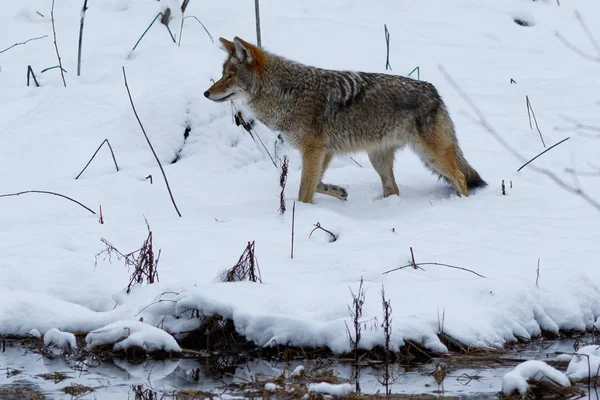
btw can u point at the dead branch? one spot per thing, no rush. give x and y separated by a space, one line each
482 121
83 10
56 46
318 226
415 265
96 152
46 192
150 144
548 149
21 43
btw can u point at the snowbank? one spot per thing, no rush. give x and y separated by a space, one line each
532 370
126 334
62 340
585 363
343 389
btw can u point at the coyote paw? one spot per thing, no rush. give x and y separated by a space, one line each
332 190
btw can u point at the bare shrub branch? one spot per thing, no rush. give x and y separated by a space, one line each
46 192
96 152
62 73
150 144
21 43
415 265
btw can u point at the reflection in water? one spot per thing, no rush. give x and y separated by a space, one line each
474 376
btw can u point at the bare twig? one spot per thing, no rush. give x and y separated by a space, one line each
96 152
481 120
356 162
434 263
21 43
101 219
548 149
56 46
415 265
537 278
30 73
249 127
387 332
83 10
200 22
318 226
150 144
46 192
530 112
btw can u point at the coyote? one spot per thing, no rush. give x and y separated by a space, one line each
323 113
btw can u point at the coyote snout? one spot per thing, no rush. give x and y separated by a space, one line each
323 113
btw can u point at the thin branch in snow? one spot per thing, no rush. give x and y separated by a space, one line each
591 38
21 43
47 192
83 10
56 45
96 152
150 144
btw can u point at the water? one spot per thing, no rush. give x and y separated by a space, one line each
25 374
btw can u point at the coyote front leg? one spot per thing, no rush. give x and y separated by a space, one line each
312 162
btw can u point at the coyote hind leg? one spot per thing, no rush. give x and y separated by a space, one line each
383 162
327 188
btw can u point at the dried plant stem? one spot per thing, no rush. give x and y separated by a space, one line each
416 265
56 45
21 43
545 151
318 226
83 10
46 192
150 144
96 152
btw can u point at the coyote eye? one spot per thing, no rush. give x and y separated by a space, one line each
229 76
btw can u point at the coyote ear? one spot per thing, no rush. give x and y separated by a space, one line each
243 50
227 46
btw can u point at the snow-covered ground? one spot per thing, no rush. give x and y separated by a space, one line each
227 189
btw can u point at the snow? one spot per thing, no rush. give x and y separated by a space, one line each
62 340
271 387
228 190
298 371
343 389
585 363
126 334
532 370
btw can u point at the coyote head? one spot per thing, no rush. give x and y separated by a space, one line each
241 72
